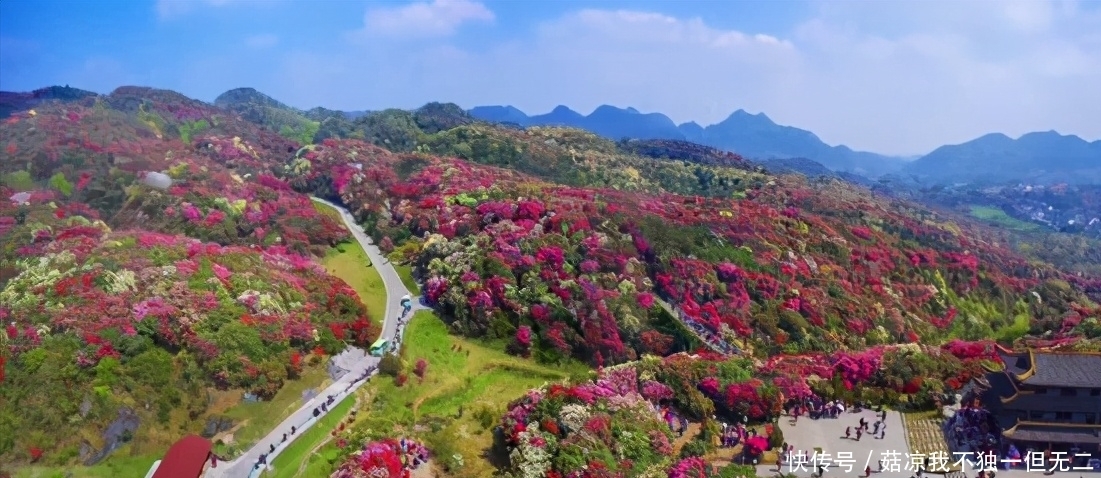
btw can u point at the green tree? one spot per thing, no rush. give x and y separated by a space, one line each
59 183
392 129
152 368
390 365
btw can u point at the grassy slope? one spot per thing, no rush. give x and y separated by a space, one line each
406 274
288 463
998 217
350 265
257 419
463 375
254 419
120 464
347 262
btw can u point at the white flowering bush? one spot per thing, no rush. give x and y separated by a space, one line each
532 457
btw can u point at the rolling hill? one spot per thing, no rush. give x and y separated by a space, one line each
157 249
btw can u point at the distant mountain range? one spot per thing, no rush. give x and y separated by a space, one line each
994 158
750 135
1049 157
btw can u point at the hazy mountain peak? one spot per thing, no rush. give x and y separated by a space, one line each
609 109
499 114
993 137
743 115
1050 134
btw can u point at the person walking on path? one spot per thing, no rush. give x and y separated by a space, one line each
859 432
848 432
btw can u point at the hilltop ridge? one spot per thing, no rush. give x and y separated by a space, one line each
1046 157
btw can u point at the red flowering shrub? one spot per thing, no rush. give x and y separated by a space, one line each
379 458
550 426
752 399
693 467
970 350
656 342
710 386
521 342
862 232
420 368
854 368
296 364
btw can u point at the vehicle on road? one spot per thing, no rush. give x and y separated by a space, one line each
380 347
406 305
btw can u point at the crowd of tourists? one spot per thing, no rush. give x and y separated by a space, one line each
364 376
413 455
877 430
972 429
815 407
732 435
317 412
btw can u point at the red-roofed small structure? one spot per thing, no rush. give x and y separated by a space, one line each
186 459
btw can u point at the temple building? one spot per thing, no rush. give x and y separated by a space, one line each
1045 399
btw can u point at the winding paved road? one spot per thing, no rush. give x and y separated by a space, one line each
245 465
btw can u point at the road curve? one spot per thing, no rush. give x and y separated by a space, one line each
245 465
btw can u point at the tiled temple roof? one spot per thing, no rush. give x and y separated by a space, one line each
1055 433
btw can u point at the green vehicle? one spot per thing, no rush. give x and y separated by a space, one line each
379 348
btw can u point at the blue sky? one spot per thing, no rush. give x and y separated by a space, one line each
893 77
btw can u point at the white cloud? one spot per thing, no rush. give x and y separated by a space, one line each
265 40
1029 15
892 77
422 19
